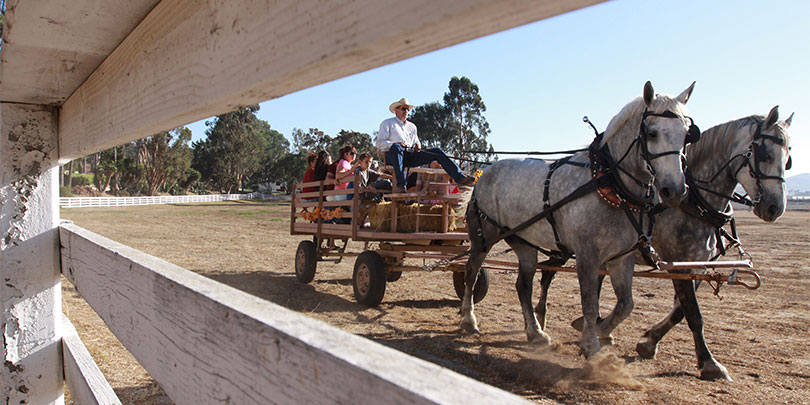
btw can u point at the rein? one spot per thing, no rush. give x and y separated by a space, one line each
755 150
697 206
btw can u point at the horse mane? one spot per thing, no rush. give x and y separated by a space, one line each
630 114
715 141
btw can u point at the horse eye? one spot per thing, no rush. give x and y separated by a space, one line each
653 134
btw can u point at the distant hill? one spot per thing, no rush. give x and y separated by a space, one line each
798 184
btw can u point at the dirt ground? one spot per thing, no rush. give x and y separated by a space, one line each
761 336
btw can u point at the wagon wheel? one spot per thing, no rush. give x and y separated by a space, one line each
481 284
392 276
305 261
369 278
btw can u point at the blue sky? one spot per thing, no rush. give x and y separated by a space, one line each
538 80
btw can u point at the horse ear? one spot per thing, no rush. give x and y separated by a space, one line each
649 93
684 97
789 120
773 116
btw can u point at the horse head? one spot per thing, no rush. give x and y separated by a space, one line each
660 128
767 157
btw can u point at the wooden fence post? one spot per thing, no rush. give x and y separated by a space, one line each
30 327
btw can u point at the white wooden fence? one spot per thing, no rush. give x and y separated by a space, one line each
85 202
206 342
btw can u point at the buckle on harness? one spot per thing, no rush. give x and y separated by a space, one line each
644 241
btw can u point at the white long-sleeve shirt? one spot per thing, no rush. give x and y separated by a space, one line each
394 131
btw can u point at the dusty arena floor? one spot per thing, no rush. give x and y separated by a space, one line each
761 336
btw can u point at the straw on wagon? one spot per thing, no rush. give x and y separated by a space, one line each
429 218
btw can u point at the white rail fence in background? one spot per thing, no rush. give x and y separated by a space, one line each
85 202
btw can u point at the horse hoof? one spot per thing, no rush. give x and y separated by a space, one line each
646 349
606 340
539 340
714 371
588 350
469 328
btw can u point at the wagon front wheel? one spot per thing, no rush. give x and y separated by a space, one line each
305 261
369 278
479 290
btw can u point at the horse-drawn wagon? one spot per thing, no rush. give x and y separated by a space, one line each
400 229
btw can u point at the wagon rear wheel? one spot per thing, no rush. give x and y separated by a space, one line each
305 261
481 284
369 278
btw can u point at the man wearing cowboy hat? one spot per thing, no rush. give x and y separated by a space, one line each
398 141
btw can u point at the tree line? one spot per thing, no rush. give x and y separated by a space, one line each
241 151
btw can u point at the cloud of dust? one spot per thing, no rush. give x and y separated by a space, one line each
603 368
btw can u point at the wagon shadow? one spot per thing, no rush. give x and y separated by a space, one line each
425 304
285 290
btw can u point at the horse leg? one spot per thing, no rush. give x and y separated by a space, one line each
579 323
621 277
527 265
647 347
588 276
541 308
710 369
469 323
478 232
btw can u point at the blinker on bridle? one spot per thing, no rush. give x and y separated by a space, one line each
692 136
759 152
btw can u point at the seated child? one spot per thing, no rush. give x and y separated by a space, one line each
370 181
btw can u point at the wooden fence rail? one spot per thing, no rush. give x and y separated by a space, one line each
205 342
86 382
85 202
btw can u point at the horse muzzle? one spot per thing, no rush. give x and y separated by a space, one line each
769 210
672 194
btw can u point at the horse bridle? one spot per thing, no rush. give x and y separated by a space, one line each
756 150
692 136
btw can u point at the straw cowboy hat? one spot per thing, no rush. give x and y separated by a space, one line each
395 104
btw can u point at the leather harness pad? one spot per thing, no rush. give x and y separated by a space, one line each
607 192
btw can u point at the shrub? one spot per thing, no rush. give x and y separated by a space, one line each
81 180
64 191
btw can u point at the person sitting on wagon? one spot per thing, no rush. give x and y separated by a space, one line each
370 179
309 176
397 139
343 168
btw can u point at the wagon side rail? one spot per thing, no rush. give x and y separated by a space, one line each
316 206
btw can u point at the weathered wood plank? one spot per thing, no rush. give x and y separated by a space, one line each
84 379
51 46
206 342
191 59
30 293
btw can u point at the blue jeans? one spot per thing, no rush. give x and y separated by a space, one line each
401 158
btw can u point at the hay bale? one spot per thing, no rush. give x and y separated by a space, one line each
429 218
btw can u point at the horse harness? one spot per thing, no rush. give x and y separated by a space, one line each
605 180
697 206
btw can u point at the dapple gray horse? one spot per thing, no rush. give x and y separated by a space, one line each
752 151
511 191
